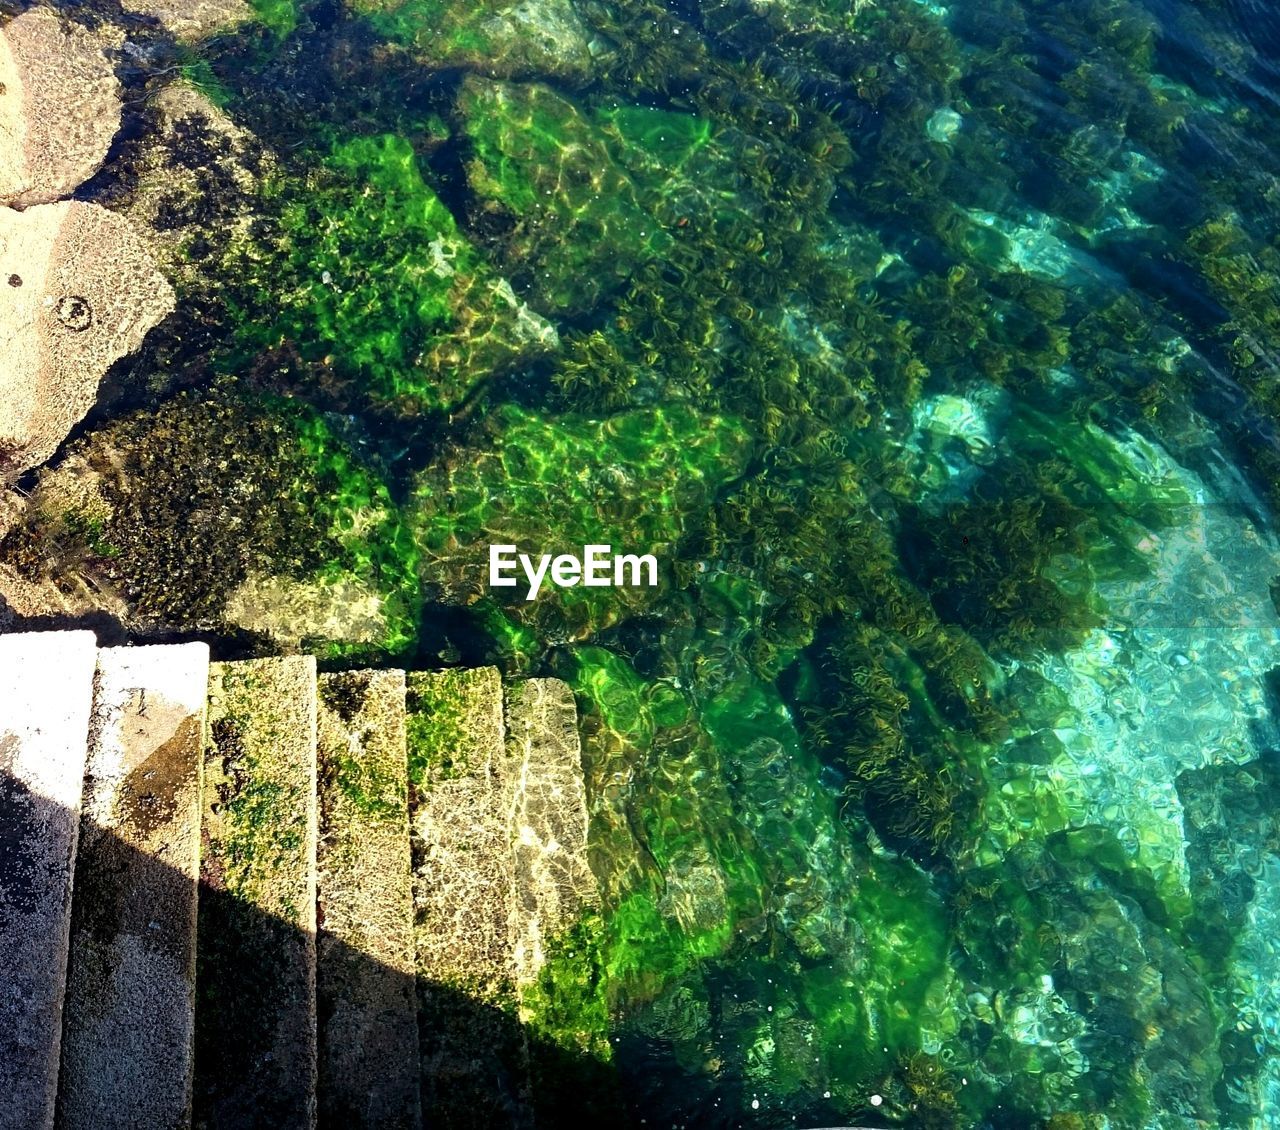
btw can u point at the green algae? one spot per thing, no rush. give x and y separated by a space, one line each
280 17
499 37
787 873
257 827
557 485
447 723
577 225
566 1017
375 284
370 787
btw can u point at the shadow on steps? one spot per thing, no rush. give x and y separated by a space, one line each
135 981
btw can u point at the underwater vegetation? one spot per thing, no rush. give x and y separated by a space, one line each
567 217
930 349
558 485
392 300
498 37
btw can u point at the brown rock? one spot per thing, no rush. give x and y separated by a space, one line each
78 291
59 105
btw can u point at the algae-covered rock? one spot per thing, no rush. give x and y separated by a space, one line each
361 270
335 262
194 177
1095 1006
555 486
59 105
501 38
755 941
574 222
78 291
226 513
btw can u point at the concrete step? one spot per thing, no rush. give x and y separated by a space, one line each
256 956
475 1069
368 1034
46 693
127 1038
545 799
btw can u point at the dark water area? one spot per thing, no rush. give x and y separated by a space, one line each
932 351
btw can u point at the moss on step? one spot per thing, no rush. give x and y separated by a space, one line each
255 1014
368 1034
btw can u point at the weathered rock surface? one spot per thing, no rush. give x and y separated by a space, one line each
368 1037
189 20
127 1041
46 692
59 105
78 291
256 959
546 801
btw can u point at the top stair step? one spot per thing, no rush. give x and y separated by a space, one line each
46 693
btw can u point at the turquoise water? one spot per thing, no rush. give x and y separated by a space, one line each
931 349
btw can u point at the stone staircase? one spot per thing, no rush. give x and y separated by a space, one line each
241 894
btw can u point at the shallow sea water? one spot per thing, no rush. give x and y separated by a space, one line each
933 350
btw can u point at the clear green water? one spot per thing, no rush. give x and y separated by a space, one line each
932 349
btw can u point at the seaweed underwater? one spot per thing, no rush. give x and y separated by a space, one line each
932 351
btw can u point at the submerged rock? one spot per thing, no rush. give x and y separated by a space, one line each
289 611
59 105
555 486
339 262
544 172
223 514
79 291
496 37
188 20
